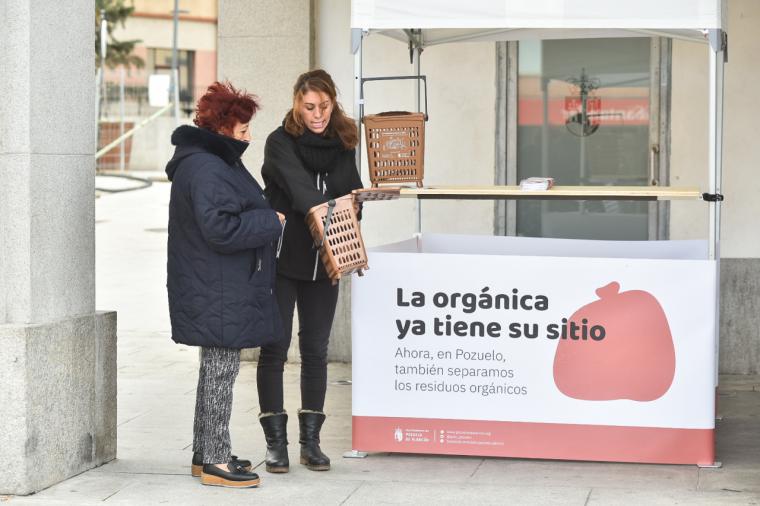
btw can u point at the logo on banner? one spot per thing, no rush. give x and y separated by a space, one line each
635 361
398 435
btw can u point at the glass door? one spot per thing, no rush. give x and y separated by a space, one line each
585 116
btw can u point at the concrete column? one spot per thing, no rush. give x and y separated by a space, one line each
57 355
263 46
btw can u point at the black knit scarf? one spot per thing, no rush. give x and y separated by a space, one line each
318 153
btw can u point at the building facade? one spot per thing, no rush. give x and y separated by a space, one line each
152 24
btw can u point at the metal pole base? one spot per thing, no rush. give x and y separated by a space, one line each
354 454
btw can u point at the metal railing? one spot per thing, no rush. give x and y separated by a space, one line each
126 135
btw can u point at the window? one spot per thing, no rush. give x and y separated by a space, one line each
587 112
160 62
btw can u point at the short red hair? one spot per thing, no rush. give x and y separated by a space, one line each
223 106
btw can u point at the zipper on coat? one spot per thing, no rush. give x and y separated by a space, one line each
322 183
279 241
273 276
321 187
316 263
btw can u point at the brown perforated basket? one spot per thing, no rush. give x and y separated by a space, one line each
395 147
342 247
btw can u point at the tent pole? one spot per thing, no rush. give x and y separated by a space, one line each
717 61
418 105
715 137
357 47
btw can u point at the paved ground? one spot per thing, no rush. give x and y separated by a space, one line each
156 397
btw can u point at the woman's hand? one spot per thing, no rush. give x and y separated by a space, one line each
358 208
281 217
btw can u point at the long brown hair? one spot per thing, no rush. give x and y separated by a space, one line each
340 124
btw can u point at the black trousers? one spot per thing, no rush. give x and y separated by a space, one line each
316 301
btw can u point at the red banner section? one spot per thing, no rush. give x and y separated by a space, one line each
534 440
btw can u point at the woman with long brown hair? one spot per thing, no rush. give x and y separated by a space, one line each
307 161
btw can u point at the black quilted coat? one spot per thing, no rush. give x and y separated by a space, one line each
221 251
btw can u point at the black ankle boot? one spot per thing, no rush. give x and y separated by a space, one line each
276 433
310 423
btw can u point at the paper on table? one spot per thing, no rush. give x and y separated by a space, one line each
536 183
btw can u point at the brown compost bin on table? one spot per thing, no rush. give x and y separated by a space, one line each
395 147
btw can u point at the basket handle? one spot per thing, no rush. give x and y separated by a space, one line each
328 220
394 78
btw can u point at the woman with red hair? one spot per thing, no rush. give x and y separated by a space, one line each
220 268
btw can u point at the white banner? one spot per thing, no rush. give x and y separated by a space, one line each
450 333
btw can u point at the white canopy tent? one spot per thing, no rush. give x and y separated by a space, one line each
429 22
422 23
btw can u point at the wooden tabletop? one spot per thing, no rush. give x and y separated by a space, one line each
557 192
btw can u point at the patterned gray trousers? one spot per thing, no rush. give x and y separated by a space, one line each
213 404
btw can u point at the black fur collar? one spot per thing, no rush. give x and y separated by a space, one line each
227 148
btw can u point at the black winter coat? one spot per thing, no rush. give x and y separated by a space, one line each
221 250
294 183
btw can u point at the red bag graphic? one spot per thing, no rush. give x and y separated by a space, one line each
636 359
